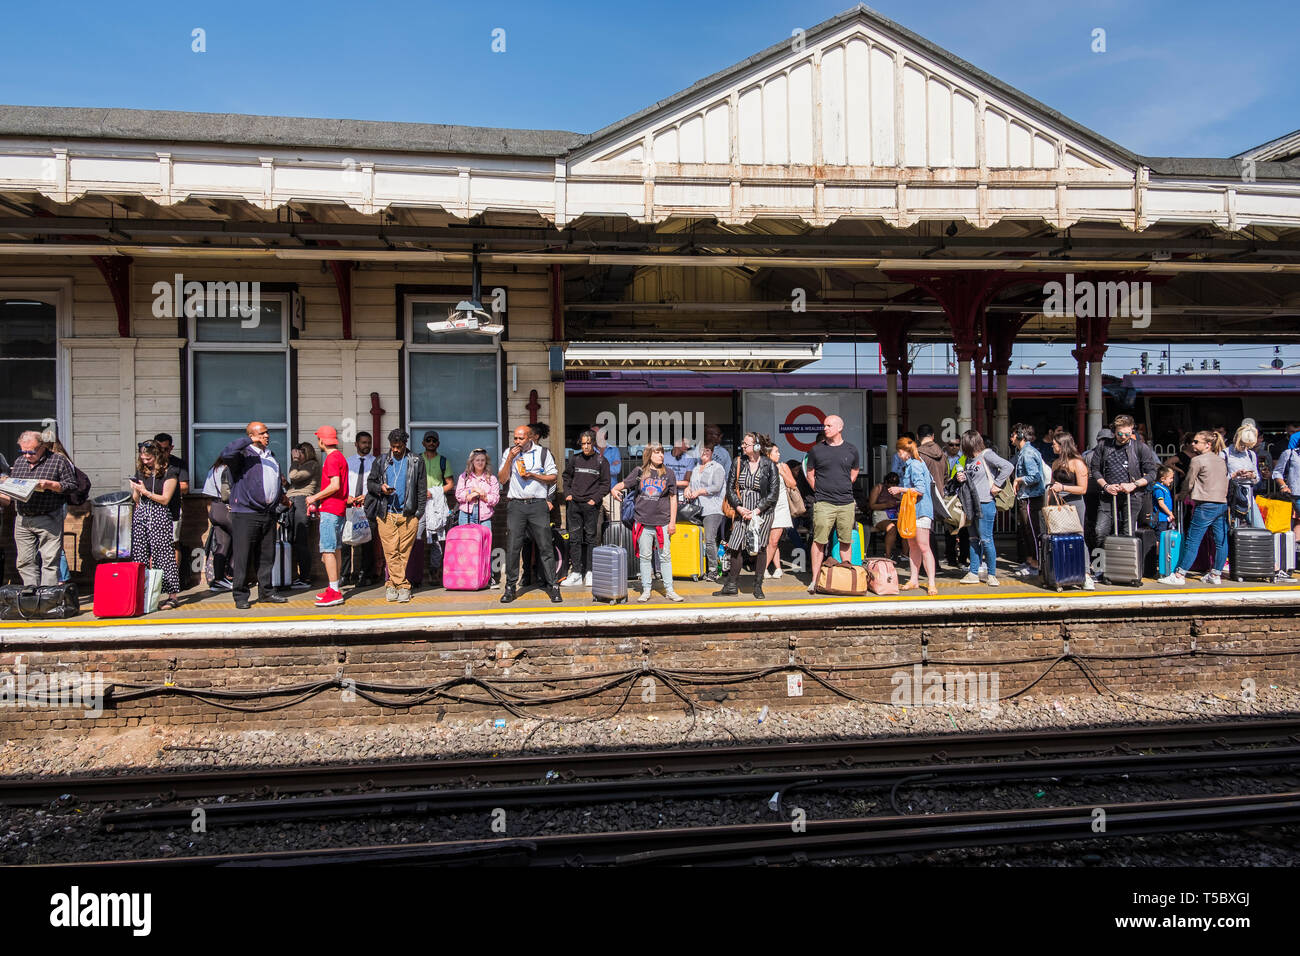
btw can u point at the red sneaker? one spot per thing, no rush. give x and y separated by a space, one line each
329 597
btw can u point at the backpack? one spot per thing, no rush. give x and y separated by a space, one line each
81 494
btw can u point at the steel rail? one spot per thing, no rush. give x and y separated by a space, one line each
848 753
777 842
485 799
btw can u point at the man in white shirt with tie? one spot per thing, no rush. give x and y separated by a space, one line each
529 470
358 468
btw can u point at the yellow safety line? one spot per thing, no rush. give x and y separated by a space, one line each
632 606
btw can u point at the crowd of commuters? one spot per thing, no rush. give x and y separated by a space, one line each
745 505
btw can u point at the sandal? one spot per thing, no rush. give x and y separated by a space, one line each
931 590
169 605
912 586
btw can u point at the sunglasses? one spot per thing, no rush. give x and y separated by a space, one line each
479 451
431 441
23 451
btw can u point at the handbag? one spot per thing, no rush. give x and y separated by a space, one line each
49 603
907 513
356 528
955 512
692 512
797 506
727 508
1006 498
1060 518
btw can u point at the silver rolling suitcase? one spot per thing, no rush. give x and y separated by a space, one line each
609 573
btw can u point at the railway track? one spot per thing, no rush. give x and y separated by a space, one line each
785 784
779 843
929 750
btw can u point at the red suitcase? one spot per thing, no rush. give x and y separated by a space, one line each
119 589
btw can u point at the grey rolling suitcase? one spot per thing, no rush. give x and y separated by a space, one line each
1125 553
1251 554
609 573
618 535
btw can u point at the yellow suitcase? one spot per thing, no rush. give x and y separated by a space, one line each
686 548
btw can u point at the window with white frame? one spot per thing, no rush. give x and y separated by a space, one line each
239 373
29 367
453 383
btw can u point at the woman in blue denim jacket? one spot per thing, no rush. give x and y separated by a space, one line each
916 477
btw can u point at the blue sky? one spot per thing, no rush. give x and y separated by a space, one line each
1189 78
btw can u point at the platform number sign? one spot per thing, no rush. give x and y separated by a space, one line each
794 685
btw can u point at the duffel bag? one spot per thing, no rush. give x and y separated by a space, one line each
51 603
839 578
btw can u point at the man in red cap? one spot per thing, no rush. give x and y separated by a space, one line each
332 502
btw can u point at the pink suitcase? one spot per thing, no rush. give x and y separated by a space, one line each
467 558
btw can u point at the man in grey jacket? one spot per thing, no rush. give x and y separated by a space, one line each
255 491
398 488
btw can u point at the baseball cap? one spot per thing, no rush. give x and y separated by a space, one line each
328 434
433 435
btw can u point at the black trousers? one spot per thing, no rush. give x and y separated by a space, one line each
528 518
254 544
1029 525
302 539
582 534
956 547
359 562
221 537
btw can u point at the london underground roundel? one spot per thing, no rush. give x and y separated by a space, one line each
792 427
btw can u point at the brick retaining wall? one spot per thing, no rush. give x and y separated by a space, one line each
511 659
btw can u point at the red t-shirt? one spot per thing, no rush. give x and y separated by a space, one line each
336 466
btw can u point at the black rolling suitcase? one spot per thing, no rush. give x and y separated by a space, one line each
1251 554
1125 554
619 535
609 573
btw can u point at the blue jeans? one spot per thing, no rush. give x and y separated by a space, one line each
1211 516
64 574
981 540
466 518
645 547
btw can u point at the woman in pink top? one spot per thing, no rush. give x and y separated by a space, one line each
477 490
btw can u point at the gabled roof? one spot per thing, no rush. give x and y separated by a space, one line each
864 14
1281 150
236 129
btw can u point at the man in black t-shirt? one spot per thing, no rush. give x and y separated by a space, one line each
832 469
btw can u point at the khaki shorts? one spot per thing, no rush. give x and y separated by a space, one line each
827 516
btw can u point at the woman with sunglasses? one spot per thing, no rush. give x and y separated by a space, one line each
1207 487
155 483
477 490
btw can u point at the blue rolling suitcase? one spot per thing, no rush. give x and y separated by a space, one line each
855 552
1064 561
1169 548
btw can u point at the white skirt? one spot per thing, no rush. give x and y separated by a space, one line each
782 510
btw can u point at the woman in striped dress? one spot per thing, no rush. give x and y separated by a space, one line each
752 489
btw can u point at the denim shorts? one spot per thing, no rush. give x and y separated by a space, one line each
330 526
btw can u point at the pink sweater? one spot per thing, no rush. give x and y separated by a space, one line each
488 488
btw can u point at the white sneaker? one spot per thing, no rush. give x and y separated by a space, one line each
971 579
777 572
1089 584
587 579
674 597
992 582
1211 577
1175 580
645 595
